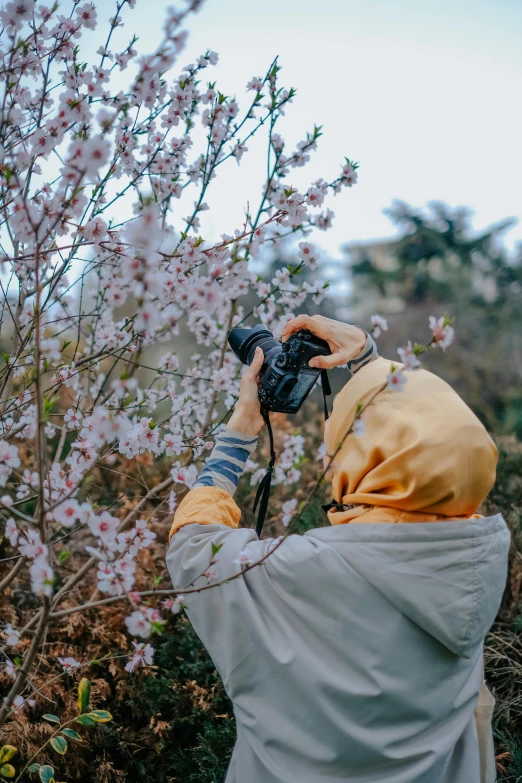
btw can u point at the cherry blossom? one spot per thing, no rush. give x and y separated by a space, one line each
288 510
244 558
69 664
358 426
118 362
173 605
141 622
443 332
396 378
72 419
321 452
408 356
379 324
11 635
143 656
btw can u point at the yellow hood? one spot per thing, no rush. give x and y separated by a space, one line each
424 455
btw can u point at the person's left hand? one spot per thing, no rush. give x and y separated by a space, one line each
247 417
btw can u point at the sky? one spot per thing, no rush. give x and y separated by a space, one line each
425 96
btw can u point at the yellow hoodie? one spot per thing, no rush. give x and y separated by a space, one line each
424 455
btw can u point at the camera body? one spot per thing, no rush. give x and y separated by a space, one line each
286 379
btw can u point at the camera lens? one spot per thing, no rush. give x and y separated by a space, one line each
245 341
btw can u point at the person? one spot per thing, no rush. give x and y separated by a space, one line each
354 652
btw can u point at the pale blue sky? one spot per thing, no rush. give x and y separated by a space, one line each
425 95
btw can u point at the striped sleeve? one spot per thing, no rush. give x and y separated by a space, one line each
225 465
368 354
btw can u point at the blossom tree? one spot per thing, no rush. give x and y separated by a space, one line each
98 265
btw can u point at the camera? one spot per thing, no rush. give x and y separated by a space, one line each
286 379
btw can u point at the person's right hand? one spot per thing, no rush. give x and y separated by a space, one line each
345 341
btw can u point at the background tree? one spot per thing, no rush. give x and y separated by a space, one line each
440 264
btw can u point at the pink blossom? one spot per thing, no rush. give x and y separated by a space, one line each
96 153
185 476
140 622
68 512
396 378
379 324
10 669
443 332
358 427
173 605
104 526
87 15
321 452
288 510
11 531
143 656
42 577
211 574
69 664
244 558
255 84
408 357
12 635
31 546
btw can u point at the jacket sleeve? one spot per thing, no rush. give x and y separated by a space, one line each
207 548
208 542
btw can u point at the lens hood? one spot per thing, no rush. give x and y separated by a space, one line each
243 340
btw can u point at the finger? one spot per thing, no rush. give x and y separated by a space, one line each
328 362
255 366
299 322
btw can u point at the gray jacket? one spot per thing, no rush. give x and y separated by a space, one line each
354 652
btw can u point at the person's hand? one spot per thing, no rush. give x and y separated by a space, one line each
247 417
345 341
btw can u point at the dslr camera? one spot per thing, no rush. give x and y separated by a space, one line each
286 379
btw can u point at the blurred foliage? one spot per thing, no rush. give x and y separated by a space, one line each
440 265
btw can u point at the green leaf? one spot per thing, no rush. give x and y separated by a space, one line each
46 773
215 548
72 734
100 716
85 720
65 344
48 405
6 752
63 555
51 718
34 768
84 694
7 770
59 744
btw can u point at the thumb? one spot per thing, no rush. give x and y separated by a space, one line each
256 364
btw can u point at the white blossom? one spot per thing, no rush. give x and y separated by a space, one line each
288 510
143 656
396 378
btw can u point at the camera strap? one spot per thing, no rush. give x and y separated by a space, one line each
325 386
263 490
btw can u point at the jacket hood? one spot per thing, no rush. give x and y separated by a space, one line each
447 577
